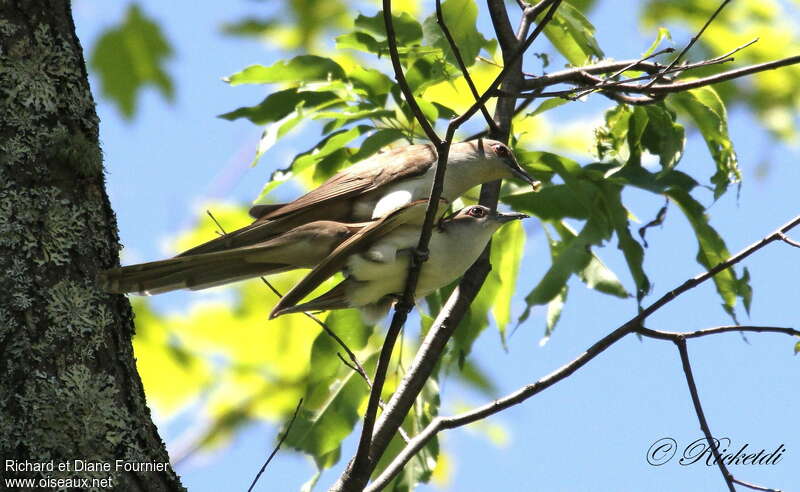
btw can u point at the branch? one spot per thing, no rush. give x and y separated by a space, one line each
675 336
687 369
460 300
277 447
790 242
502 25
401 77
427 357
631 326
594 83
754 486
357 475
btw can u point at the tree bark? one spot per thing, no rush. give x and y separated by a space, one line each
69 388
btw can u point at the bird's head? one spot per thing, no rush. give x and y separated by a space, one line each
499 153
484 218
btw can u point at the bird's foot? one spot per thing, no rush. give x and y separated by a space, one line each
420 256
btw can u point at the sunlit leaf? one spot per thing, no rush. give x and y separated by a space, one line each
460 17
279 104
406 28
708 113
573 35
304 68
631 249
711 250
508 245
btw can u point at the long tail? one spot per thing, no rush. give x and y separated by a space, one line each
190 272
336 298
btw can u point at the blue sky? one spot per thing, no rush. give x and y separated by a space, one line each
588 433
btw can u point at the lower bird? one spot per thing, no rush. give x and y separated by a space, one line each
376 263
302 247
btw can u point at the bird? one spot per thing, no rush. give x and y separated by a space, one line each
302 247
375 263
376 186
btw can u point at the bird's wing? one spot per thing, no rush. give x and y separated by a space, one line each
394 165
336 298
412 213
262 209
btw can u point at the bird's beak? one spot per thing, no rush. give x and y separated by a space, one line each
508 217
520 173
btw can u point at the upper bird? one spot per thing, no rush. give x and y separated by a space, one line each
375 187
376 259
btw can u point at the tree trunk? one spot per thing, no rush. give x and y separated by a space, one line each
69 390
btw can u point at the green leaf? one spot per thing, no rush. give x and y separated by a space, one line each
360 41
460 17
407 29
573 35
631 249
508 245
553 202
304 68
712 251
429 70
708 112
374 83
249 26
570 256
637 124
474 376
612 138
129 57
280 104
554 309
599 277
354 113
376 142
663 33
327 146
334 392
547 105
644 179
663 136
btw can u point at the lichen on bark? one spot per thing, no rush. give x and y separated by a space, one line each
69 389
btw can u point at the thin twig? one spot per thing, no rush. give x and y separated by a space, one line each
754 486
674 336
701 417
460 60
400 76
277 447
691 43
789 241
608 80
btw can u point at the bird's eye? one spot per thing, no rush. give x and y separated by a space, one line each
476 212
501 151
